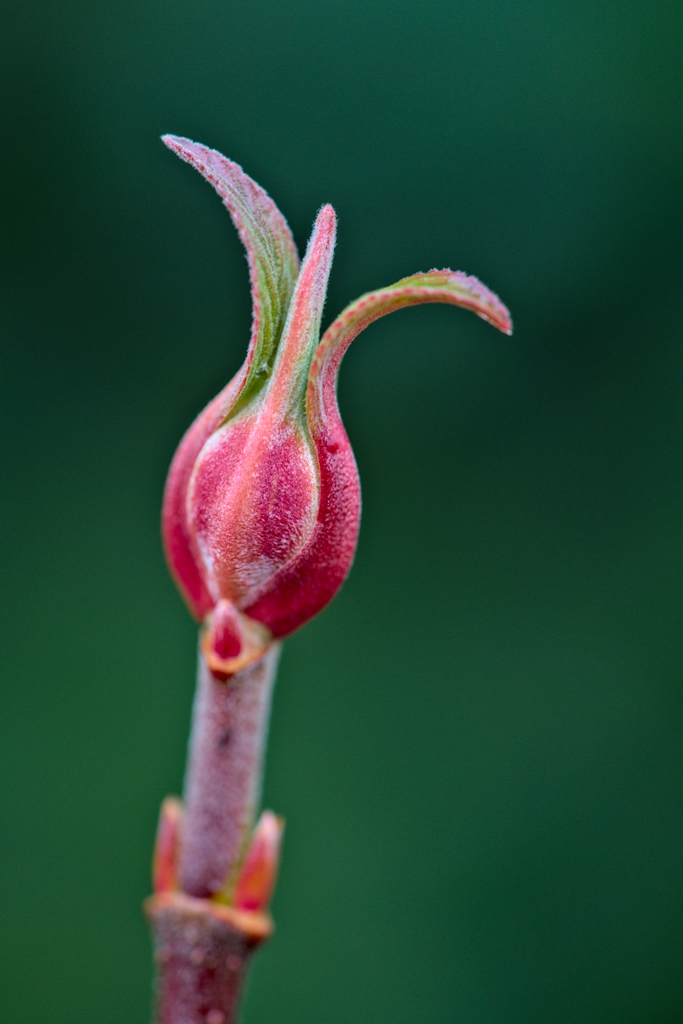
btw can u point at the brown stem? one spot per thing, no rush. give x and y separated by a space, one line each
223 779
202 950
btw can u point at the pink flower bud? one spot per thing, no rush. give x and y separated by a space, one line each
262 503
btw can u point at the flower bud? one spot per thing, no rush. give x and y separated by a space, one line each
262 503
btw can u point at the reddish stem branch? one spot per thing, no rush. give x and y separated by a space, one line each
230 721
202 946
202 950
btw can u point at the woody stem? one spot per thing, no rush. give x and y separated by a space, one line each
223 778
202 946
202 951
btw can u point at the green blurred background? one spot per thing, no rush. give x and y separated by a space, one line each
479 745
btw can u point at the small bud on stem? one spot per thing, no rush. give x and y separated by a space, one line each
257 878
165 862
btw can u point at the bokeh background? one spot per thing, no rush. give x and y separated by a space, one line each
479 746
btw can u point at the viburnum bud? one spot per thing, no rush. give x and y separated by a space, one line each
262 503
256 880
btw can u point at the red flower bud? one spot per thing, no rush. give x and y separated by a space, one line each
262 503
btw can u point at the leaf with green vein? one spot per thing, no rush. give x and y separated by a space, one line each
271 253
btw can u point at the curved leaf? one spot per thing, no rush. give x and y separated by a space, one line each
271 252
273 268
448 286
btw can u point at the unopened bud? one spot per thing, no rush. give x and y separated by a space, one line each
257 878
165 861
262 503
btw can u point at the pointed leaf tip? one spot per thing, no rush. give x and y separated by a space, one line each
265 234
302 330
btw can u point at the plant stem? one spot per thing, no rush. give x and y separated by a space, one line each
202 951
202 945
223 779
